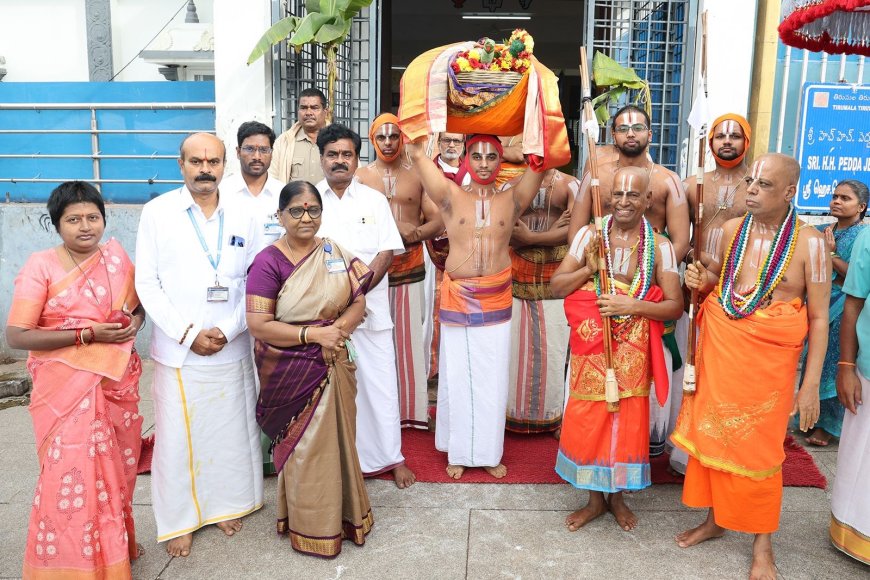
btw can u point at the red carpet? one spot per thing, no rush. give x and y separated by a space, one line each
530 459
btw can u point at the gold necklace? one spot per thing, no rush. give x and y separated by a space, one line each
289 249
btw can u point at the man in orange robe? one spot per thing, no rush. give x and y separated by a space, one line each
773 293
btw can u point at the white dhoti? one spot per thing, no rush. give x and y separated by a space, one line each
472 393
407 306
850 503
663 419
207 465
378 433
539 349
429 313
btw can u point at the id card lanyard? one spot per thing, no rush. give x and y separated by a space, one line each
215 292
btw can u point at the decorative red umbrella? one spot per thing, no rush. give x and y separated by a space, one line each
832 26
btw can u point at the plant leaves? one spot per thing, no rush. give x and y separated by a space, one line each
308 28
607 73
333 32
349 8
278 32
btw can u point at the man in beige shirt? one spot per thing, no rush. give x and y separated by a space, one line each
295 156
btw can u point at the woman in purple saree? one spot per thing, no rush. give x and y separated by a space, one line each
305 295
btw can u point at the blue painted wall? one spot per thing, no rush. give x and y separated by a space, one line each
80 144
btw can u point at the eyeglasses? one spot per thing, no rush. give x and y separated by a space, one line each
250 150
296 212
449 141
637 128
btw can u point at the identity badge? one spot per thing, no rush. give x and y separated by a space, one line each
218 293
335 266
272 228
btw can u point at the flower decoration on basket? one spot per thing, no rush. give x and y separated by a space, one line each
511 56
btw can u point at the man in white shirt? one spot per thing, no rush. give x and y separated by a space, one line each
359 218
451 146
253 184
193 250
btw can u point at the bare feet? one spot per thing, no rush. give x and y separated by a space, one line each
595 507
706 531
403 476
179 546
624 516
819 437
763 565
497 472
230 527
455 471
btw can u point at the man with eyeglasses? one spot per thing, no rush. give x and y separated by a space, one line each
253 184
296 156
451 146
359 218
668 213
418 219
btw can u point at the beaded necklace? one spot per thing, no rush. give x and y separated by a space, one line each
782 248
643 274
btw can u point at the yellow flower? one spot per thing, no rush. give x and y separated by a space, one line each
494 66
474 54
529 42
505 65
464 65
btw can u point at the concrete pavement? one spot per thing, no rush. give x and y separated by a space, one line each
452 531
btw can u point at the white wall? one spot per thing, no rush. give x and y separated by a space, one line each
43 40
134 24
730 48
242 92
46 40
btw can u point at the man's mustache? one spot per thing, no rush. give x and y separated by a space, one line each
205 177
341 166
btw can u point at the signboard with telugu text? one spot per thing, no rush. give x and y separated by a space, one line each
834 141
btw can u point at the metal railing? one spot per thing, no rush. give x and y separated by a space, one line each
96 155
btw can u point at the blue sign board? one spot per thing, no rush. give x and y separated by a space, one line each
834 141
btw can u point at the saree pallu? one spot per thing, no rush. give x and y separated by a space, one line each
307 403
531 108
408 267
732 429
600 450
86 423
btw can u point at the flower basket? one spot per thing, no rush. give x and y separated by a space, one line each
489 77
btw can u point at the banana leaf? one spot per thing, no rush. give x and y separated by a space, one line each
607 73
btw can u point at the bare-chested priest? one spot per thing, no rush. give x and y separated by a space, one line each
668 213
418 219
724 199
539 329
475 303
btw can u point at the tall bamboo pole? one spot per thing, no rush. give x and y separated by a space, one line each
611 387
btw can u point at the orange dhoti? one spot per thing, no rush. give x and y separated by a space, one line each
733 426
600 450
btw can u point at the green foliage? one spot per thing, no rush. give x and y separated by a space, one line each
616 79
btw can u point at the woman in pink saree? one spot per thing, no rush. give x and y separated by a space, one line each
85 395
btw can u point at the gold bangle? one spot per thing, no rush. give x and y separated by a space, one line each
846 363
184 336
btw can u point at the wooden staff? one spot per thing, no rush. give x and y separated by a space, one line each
611 387
689 379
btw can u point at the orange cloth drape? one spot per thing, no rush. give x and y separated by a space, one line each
408 267
476 301
532 108
737 419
